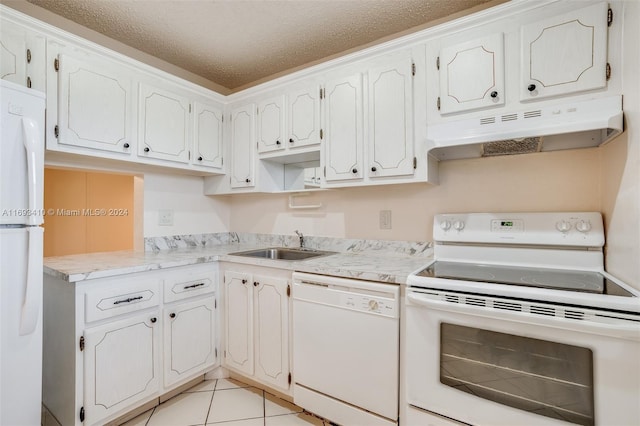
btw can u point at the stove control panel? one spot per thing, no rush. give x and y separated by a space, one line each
583 229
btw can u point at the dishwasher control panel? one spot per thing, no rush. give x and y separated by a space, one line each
367 303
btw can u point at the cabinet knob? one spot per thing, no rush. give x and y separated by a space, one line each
172 315
256 283
153 320
354 170
277 142
247 180
290 140
373 169
494 94
244 281
126 145
199 158
531 87
146 149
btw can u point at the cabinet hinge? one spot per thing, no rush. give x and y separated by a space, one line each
288 290
82 414
222 161
438 62
257 111
438 103
224 353
609 17
608 71
325 172
321 93
189 152
415 162
28 56
28 82
56 64
81 343
289 378
215 305
223 118
413 68
216 350
321 134
56 131
189 108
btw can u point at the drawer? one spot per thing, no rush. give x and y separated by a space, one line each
183 283
124 297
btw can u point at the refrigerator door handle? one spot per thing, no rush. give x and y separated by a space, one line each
31 137
31 305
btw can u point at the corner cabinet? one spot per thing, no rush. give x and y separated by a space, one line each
565 54
242 170
114 344
257 306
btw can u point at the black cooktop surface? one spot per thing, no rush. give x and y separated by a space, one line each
558 279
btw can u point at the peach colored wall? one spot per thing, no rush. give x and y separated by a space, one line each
562 180
79 232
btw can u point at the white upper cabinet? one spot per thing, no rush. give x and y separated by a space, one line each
472 74
208 132
343 150
163 124
242 173
95 105
22 55
271 130
565 54
303 117
390 117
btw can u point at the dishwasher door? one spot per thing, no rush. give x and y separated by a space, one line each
346 344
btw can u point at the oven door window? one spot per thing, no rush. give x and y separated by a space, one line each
546 378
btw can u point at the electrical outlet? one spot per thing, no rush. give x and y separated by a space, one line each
385 219
165 217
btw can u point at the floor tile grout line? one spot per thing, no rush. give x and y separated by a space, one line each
213 393
153 410
264 409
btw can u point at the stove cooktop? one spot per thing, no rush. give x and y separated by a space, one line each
555 279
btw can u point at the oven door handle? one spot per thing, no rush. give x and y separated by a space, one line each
629 331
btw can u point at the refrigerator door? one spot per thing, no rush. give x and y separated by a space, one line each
20 325
21 155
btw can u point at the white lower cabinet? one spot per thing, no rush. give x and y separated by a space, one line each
111 345
256 317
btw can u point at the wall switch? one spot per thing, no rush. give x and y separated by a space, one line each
385 219
165 217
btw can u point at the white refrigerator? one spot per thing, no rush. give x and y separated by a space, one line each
21 214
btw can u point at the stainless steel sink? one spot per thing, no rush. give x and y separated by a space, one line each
282 253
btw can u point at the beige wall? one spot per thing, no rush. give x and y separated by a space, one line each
78 232
562 181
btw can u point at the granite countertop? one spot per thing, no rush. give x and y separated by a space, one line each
372 263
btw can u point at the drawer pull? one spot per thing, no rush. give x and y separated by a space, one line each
193 285
127 300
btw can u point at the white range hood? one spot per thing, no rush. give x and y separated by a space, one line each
581 124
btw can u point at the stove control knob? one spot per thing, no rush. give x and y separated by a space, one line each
445 225
373 305
563 226
583 226
458 225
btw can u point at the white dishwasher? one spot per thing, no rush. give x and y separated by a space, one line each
346 349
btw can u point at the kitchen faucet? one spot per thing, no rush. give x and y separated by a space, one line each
301 238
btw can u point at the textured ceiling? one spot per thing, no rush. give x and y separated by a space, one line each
235 43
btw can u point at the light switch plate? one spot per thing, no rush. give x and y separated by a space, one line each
165 217
385 219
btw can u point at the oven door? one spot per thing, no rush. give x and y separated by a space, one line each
491 361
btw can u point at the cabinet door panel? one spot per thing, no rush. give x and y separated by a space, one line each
239 321
13 54
208 136
472 75
304 117
391 119
242 147
344 139
189 339
94 105
271 125
272 330
565 54
164 125
120 365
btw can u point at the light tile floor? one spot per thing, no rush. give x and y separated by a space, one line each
225 402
